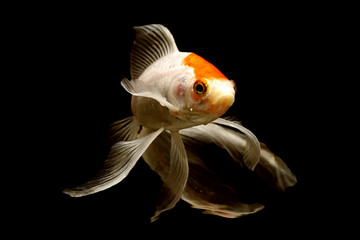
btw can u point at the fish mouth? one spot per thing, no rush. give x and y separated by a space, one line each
222 104
222 97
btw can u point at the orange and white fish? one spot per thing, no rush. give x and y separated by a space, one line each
177 101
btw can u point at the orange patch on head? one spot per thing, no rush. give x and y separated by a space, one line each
202 68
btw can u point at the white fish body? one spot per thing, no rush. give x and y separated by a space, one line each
162 73
177 99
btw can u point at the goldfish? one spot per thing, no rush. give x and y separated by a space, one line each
178 100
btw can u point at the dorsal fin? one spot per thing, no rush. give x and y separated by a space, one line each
152 42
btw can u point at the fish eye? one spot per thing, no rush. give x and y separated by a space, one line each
200 87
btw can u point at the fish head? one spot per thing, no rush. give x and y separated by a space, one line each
210 93
212 97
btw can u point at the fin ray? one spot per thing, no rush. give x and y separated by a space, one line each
240 142
204 188
122 158
244 148
137 88
274 170
252 149
177 176
124 130
152 42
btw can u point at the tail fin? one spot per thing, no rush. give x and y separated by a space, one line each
204 188
274 170
243 146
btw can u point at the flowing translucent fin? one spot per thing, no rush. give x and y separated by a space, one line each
207 191
124 130
241 144
176 179
122 158
204 189
152 42
137 88
274 170
252 150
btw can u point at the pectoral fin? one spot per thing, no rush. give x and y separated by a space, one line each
137 88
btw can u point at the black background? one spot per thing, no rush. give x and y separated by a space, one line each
75 60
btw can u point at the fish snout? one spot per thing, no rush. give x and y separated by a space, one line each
223 97
223 103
